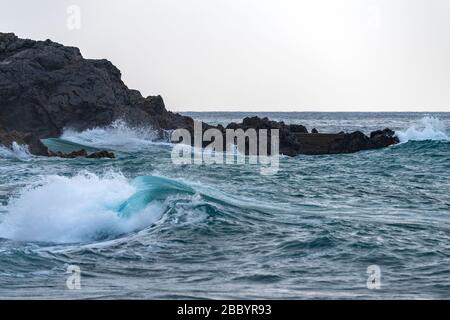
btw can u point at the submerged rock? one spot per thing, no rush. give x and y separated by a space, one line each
83 154
102 154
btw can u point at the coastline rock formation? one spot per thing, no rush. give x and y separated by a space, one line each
46 87
36 147
295 139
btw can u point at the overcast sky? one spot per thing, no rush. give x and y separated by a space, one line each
260 55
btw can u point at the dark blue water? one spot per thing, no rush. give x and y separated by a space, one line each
141 227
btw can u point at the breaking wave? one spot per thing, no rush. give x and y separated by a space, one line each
117 136
428 128
86 207
17 151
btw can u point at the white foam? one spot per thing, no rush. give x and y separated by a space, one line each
117 136
75 209
428 128
17 151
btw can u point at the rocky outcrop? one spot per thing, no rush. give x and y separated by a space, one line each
83 154
295 139
101 154
34 144
46 87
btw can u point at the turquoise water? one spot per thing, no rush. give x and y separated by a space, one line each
141 227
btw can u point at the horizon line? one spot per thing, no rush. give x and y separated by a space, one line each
262 111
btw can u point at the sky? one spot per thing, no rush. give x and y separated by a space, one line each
259 55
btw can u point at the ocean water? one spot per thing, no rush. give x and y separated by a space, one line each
141 227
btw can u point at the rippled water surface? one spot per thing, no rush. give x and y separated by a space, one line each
141 227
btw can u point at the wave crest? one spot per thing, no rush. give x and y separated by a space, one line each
428 128
75 209
117 136
17 151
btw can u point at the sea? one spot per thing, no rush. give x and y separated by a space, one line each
369 225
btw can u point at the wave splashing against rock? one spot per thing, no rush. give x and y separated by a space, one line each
428 128
118 136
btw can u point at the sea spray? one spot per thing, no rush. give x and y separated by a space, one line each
74 209
117 136
16 151
428 128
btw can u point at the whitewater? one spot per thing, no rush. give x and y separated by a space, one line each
141 227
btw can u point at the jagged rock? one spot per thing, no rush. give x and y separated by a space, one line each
384 138
295 139
264 123
34 144
77 154
45 87
71 155
314 131
296 128
101 154
83 154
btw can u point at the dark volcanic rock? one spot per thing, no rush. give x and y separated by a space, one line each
45 87
295 139
74 154
34 144
101 154
82 154
36 147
